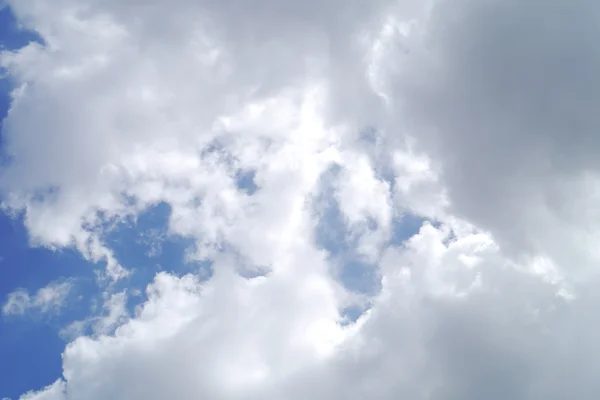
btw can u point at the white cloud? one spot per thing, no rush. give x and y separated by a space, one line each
442 328
114 313
365 202
457 111
47 299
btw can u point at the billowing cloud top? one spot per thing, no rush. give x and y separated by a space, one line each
292 140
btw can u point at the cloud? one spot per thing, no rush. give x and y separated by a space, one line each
442 328
47 299
474 115
113 314
502 95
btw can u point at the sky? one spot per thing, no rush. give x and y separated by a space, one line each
349 199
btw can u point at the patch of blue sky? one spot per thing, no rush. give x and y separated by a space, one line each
405 226
353 313
30 345
144 246
245 181
13 35
333 234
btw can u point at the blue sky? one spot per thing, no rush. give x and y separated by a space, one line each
32 342
29 349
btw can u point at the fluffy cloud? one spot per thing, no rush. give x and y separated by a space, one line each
443 327
246 118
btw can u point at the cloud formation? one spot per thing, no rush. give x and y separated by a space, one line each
502 95
253 121
47 299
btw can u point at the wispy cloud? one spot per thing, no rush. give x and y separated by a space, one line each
49 299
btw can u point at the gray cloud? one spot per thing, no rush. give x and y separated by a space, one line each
503 95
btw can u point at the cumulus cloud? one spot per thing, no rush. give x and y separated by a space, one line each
47 299
443 327
477 116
